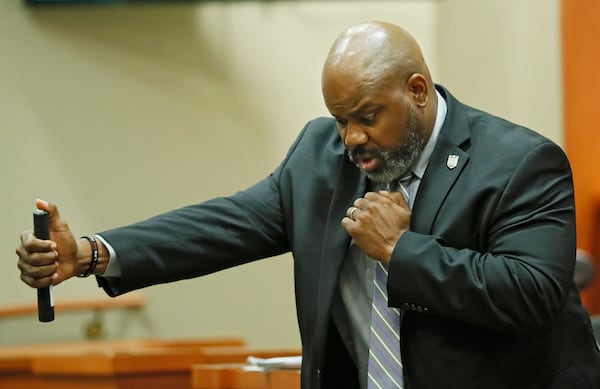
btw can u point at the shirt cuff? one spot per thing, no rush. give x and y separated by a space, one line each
113 269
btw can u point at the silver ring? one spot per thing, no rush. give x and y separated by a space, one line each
354 209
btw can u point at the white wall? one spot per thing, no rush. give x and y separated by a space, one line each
505 57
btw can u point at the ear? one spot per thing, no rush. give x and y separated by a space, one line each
418 90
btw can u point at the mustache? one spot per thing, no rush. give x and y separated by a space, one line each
361 152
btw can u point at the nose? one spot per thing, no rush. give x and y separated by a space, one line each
354 136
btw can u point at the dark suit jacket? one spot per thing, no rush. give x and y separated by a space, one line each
485 275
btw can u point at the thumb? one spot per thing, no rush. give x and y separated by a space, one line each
41 204
54 220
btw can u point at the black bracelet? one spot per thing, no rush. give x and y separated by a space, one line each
94 262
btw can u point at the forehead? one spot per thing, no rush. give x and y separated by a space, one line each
354 92
346 88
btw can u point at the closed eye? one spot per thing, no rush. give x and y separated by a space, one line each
368 120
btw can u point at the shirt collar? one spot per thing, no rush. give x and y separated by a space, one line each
419 167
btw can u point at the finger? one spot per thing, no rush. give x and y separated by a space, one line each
36 258
38 282
348 225
37 272
382 198
373 196
351 213
43 205
396 197
31 243
56 223
362 203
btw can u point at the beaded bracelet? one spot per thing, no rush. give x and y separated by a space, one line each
94 262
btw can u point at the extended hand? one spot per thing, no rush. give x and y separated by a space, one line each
376 222
48 262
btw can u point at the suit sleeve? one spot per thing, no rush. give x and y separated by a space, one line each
198 239
521 280
203 238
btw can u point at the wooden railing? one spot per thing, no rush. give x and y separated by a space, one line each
132 301
94 329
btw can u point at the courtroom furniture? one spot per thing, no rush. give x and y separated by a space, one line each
134 368
95 328
243 376
285 379
240 354
131 301
227 376
108 364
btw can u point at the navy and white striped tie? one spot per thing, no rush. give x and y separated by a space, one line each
385 363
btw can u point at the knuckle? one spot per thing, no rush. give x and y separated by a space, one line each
41 273
34 283
25 279
22 266
41 258
370 206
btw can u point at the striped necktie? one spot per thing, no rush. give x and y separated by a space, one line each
385 364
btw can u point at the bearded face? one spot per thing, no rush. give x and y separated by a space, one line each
396 162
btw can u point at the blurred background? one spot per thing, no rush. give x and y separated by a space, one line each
119 112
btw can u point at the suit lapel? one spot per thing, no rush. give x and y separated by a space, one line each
350 184
445 166
437 181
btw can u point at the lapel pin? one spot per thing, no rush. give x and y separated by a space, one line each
452 161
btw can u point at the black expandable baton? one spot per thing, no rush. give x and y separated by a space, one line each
44 295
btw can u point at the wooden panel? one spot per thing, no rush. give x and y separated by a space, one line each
227 376
581 61
145 381
237 376
18 358
285 379
19 381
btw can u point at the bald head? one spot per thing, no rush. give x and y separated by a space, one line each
378 89
374 53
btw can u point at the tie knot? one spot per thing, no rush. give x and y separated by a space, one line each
407 178
402 185
402 182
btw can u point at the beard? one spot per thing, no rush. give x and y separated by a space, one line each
397 162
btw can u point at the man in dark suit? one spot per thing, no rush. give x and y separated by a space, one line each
478 242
